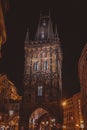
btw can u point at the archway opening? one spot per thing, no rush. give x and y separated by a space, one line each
12 123
40 119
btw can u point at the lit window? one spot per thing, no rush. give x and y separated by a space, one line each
42 34
71 117
35 66
45 65
44 23
40 90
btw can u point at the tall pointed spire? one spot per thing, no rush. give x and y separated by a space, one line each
27 36
56 33
50 29
45 29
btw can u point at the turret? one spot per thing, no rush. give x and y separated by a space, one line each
45 29
27 36
56 33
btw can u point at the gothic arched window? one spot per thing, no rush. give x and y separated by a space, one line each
36 66
40 90
45 65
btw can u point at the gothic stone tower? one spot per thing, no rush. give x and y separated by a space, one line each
42 73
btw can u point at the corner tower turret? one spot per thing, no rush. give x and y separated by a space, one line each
27 36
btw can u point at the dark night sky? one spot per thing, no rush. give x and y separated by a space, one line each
70 16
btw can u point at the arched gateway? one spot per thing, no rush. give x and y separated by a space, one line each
42 79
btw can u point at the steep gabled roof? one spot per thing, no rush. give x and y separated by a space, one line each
45 29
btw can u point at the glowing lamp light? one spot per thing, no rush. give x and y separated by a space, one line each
42 123
77 125
82 126
64 103
64 126
47 122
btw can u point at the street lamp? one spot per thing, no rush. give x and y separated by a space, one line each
64 127
64 103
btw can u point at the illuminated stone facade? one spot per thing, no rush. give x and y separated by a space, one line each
42 72
82 69
7 88
72 113
77 103
68 115
9 100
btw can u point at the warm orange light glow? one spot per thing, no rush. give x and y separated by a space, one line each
77 125
64 103
42 123
81 121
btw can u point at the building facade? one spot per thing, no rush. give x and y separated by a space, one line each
68 115
72 113
42 75
82 70
2 27
9 103
78 116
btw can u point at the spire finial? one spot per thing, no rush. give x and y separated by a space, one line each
56 33
49 14
27 36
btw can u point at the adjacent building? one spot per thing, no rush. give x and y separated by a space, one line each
82 69
72 113
9 103
2 27
68 114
